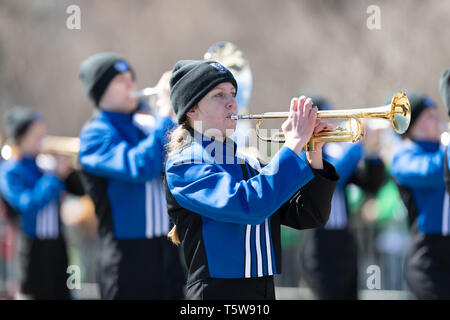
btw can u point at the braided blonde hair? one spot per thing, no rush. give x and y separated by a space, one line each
179 138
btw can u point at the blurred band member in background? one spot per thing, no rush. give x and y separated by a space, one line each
122 161
444 89
328 255
418 169
35 192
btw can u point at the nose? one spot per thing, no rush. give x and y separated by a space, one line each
231 103
437 119
130 83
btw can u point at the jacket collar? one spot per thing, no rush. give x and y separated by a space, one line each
117 117
28 161
427 145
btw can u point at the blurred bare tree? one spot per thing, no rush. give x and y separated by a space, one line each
324 46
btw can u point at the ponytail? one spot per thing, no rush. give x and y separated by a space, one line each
173 236
179 138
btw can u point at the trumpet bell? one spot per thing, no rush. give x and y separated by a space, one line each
401 112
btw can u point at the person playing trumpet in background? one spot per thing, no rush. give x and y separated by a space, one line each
122 161
418 168
328 255
35 193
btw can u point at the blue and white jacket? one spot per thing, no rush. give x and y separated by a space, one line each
345 157
35 195
418 169
228 208
122 165
447 168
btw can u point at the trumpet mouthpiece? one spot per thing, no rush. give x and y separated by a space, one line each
238 117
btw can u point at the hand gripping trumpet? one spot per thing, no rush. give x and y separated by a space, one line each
398 112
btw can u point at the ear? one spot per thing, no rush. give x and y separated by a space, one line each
193 113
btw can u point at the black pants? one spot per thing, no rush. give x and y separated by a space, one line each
261 288
328 261
427 266
43 266
147 269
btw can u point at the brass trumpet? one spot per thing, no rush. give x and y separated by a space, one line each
63 146
398 112
68 146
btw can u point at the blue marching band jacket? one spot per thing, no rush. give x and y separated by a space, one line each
345 158
35 196
418 168
122 157
229 208
447 169
128 159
